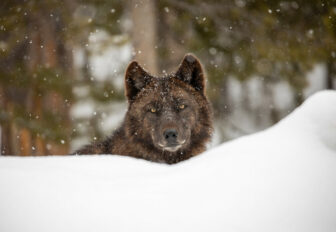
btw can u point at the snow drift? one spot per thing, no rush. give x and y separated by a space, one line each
282 179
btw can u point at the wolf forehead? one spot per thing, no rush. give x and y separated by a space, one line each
165 89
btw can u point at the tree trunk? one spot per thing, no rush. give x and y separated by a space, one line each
171 47
31 104
13 135
40 147
144 33
25 142
53 101
331 73
5 148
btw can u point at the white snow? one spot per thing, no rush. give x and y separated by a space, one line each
281 179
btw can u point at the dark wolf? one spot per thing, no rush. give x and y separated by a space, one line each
168 120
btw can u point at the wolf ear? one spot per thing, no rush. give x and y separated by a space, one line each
136 78
191 72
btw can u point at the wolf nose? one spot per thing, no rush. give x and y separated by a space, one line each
170 135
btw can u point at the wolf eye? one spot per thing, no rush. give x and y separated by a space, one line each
182 106
153 110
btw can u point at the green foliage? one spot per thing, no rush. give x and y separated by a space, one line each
49 126
43 80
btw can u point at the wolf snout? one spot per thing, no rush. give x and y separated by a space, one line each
172 140
170 136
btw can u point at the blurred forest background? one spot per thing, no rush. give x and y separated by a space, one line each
62 62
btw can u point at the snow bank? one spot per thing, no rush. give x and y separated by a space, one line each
282 179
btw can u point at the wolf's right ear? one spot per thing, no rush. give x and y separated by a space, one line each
136 78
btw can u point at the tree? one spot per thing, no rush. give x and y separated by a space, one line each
144 33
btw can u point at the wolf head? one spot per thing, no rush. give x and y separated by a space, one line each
169 114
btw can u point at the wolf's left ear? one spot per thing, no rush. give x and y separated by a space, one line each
191 72
136 78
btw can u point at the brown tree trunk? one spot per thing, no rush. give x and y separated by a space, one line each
13 135
170 46
144 33
53 101
25 142
40 147
331 73
5 148
5 140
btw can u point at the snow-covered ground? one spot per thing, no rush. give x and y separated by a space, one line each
281 179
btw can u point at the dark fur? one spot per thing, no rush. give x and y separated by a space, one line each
140 135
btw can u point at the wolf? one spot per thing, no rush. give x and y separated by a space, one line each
169 118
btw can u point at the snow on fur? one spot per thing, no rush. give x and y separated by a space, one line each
281 179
